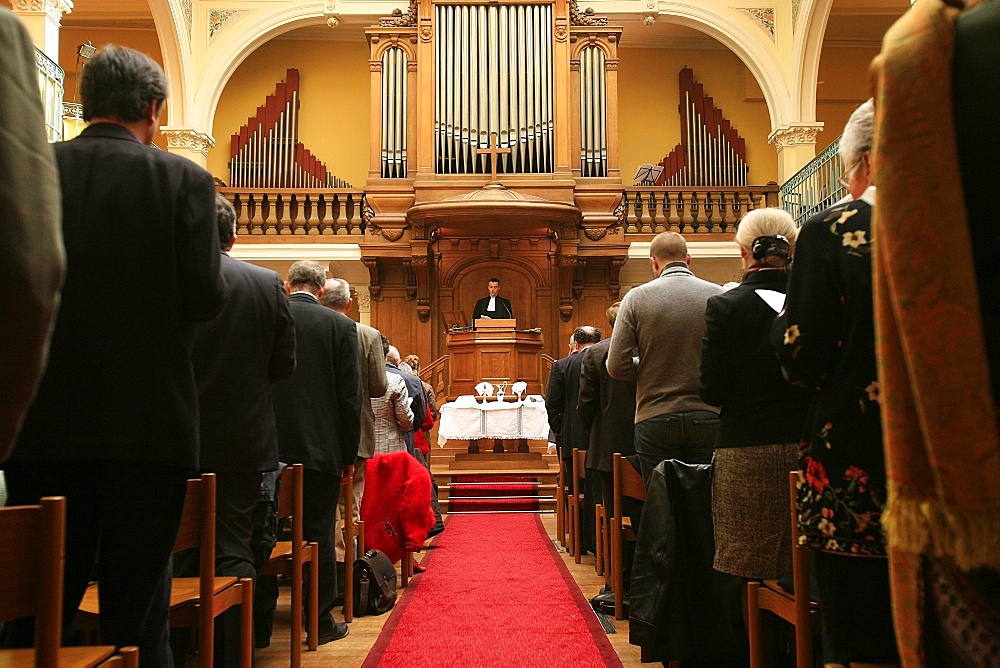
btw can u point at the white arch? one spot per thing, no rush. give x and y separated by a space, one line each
176 62
239 44
806 52
755 55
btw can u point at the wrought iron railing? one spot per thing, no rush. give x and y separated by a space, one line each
50 82
692 210
302 211
814 187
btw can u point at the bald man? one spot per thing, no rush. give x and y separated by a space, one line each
657 343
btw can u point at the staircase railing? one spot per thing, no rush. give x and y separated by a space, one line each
50 82
435 375
814 187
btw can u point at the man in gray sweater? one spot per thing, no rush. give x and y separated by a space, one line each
657 343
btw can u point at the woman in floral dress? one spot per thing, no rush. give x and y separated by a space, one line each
825 339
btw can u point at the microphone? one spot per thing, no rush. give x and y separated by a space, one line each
509 314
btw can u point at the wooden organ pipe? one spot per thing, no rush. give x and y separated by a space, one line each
711 151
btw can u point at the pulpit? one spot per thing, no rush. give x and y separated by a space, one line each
495 352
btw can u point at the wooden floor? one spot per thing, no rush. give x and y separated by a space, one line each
352 650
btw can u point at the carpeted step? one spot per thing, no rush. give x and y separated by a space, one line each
492 504
492 489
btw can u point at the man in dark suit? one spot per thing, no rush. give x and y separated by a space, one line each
318 412
337 296
114 426
493 306
31 253
561 398
237 356
607 412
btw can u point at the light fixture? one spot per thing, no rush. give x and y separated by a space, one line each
86 51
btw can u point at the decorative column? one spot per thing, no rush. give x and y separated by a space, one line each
43 18
188 142
796 145
363 298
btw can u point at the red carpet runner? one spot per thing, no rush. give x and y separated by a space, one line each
496 593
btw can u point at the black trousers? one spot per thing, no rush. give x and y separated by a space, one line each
121 521
320 492
857 609
236 496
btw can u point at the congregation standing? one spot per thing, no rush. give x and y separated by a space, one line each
793 369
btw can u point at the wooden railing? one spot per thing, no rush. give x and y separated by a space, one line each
304 211
692 210
435 375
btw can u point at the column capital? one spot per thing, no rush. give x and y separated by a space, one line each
180 138
795 134
54 8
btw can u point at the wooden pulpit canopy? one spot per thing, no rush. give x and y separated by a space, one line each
494 211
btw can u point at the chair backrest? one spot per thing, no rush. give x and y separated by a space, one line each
627 481
579 470
290 499
800 555
31 571
197 529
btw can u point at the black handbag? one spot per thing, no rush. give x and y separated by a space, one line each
374 584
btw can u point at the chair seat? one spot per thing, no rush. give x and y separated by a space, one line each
182 592
185 590
71 657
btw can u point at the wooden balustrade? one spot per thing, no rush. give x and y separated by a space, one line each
297 211
691 209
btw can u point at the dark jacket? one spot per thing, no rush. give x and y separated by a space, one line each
680 607
560 402
607 409
142 252
740 371
318 408
236 357
502 304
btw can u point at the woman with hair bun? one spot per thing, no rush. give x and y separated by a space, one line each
762 416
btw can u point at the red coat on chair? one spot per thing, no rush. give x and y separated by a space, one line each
396 506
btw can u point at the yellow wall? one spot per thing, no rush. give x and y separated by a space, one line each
334 109
139 39
648 91
843 85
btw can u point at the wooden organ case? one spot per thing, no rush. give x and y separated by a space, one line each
492 155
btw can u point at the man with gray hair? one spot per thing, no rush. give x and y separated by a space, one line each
318 411
415 389
657 343
114 426
337 296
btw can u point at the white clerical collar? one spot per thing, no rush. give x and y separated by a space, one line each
493 304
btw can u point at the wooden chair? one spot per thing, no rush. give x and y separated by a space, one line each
127 657
561 507
576 501
798 610
627 484
601 551
352 531
31 579
195 602
289 557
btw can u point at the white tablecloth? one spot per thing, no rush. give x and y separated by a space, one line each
494 419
